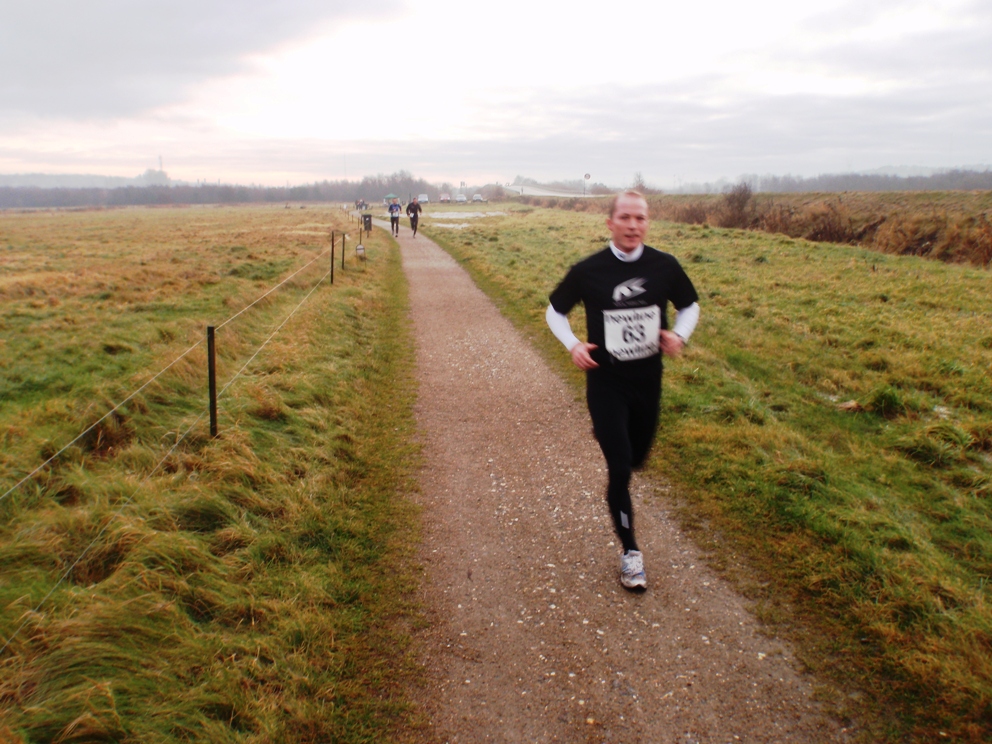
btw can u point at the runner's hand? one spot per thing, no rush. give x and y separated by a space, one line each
581 358
671 343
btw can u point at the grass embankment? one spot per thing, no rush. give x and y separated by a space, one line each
864 528
952 226
256 587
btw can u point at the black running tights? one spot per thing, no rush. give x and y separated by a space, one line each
624 418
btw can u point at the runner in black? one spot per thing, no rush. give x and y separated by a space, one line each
394 217
413 210
625 289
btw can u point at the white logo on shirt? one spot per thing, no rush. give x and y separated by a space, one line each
627 290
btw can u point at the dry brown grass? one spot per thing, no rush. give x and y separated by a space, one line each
247 586
955 227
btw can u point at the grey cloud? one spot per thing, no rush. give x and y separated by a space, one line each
667 133
667 138
861 14
922 119
927 55
852 16
107 58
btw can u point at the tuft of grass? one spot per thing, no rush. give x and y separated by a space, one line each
884 400
937 445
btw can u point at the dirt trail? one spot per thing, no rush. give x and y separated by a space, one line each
531 637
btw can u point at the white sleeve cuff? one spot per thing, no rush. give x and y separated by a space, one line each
685 321
560 326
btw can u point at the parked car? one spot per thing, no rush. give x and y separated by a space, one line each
423 198
478 197
444 198
460 199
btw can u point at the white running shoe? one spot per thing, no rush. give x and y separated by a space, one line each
632 570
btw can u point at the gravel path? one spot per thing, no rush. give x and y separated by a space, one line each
530 637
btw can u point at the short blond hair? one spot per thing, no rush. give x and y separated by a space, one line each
618 197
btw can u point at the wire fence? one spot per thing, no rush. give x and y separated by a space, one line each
100 420
126 502
179 439
249 307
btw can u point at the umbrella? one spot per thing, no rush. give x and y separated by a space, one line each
391 196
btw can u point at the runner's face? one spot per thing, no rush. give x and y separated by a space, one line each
629 223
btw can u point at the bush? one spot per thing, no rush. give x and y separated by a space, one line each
828 223
778 218
691 214
736 204
913 235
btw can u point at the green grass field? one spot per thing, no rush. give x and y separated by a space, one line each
829 433
256 587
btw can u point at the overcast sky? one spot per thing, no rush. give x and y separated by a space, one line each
254 91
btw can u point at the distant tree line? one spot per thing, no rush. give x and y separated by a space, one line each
370 188
952 180
402 183
578 185
82 181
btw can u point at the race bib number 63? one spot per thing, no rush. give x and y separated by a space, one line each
632 333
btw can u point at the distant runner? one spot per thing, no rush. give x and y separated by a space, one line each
394 217
413 210
625 289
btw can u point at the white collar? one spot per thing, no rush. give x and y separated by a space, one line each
627 257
